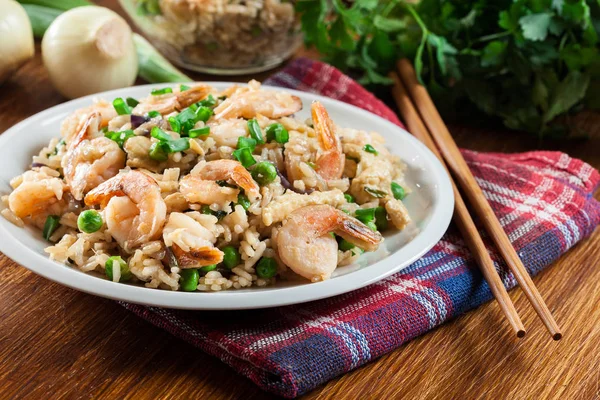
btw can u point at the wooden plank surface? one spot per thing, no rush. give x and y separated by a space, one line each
56 342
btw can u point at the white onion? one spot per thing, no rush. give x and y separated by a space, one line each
88 50
16 37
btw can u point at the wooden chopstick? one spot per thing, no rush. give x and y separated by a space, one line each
467 182
461 214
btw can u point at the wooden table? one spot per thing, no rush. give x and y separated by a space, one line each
59 343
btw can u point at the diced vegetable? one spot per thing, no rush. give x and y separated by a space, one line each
51 225
89 221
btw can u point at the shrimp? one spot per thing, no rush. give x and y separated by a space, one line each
74 122
304 243
135 211
201 186
330 159
326 152
191 243
37 196
250 101
90 160
169 102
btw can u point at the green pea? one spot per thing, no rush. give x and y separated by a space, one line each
110 264
231 256
381 218
372 226
89 221
264 173
208 268
266 268
365 215
345 245
398 191
349 198
188 279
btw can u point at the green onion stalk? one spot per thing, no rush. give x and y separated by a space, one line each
153 67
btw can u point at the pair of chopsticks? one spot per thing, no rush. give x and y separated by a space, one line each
424 122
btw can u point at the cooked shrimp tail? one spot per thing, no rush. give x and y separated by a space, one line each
198 257
330 161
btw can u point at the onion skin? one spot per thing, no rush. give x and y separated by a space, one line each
16 43
88 50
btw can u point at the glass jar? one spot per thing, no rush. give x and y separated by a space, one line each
224 37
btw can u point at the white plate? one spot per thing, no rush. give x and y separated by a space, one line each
430 205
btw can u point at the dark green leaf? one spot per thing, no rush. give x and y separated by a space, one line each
493 54
569 92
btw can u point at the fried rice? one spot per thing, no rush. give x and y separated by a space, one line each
208 190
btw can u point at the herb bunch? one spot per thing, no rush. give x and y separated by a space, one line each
526 62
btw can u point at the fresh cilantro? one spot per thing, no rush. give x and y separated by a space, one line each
525 62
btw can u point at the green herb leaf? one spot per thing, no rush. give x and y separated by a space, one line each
535 26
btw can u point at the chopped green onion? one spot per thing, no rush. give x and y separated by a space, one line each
264 173
208 268
158 92
110 264
398 191
223 98
311 164
120 137
183 88
381 218
89 221
278 133
203 113
244 156
51 225
205 209
175 124
345 245
370 149
131 102
194 133
372 226
159 151
121 107
209 101
243 201
266 268
188 279
187 119
148 7
178 145
246 142
255 131
159 134
154 114
365 215
375 193
349 198
231 257
59 144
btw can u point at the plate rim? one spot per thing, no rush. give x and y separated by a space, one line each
440 219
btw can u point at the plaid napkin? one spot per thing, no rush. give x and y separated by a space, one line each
543 199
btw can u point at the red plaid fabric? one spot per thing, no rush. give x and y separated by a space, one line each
543 200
